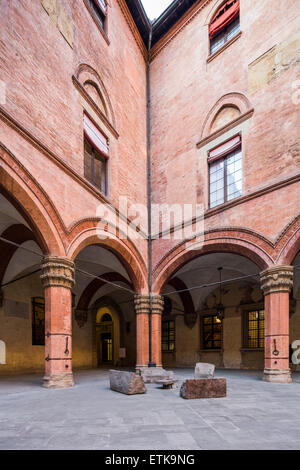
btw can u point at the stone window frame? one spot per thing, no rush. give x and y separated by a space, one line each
104 32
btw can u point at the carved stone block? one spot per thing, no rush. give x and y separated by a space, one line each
126 382
203 388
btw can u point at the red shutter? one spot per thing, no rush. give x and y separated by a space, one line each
221 20
224 149
95 137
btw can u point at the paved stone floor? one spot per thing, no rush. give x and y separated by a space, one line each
255 415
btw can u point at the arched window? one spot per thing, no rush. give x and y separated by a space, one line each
224 25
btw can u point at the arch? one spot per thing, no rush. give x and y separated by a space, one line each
224 116
288 244
93 90
85 74
26 195
86 234
235 100
107 302
190 316
242 242
95 285
18 234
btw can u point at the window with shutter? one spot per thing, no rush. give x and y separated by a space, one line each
224 25
96 154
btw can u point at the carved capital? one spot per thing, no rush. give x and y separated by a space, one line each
277 279
157 305
142 304
58 272
81 317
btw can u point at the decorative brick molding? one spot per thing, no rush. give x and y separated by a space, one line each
58 272
277 279
238 100
85 73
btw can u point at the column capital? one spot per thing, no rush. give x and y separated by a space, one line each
142 304
277 279
157 304
57 272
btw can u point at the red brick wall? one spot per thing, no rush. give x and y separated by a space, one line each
37 65
184 89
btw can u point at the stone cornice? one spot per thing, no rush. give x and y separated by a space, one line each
277 279
127 15
57 272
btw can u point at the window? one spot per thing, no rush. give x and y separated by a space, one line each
96 154
225 172
224 25
99 10
168 336
38 321
212 332
255 337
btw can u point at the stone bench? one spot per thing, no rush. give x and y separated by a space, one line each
127 383
203 388
167 384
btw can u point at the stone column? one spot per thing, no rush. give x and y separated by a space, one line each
58 279
142 308
157 310
276 283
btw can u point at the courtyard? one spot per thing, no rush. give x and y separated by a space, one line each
255 415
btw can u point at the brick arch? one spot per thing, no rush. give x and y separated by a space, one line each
85 73
87 234
242 242
234 99
19 234
95 285
288 244
31 201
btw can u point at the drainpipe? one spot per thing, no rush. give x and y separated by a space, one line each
151 364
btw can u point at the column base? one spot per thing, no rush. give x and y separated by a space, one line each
59 381
279 376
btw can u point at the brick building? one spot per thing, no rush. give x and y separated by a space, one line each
103 113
